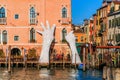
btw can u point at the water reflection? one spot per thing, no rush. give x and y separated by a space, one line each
89 75
44 74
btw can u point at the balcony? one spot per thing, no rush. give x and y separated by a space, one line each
100 33
3 21
63 41
4 42
32 41
33 21
101 20
65 21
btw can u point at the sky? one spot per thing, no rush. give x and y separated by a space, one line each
84 9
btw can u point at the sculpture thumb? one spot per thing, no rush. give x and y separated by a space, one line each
53 28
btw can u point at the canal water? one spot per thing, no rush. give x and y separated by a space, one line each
55 74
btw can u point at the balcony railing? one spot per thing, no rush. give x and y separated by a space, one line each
65 21
4 42
32 41
33 21
100 33
63 41
2 21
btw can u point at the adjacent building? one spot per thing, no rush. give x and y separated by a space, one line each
101 23
114 23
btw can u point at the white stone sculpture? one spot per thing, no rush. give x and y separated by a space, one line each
48 37
70 38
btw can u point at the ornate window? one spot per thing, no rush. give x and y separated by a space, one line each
2 12
64 33
32 12
32 16
2 16
64 12
32 35
4 37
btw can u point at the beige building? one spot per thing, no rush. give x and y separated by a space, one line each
114 23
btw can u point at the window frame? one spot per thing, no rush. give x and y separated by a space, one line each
16 16
64 33
32 35
17 38
4 37
64 12
2 12
32 13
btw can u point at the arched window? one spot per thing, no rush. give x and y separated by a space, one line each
32 12
2 12
64 33
4 37
32 35
64 12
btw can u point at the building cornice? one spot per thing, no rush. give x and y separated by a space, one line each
114 13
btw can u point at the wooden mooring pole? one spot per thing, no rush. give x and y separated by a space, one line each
83 58
9 59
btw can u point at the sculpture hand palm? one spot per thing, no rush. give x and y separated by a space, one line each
71 40
48 37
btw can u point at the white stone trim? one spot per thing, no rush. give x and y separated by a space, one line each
28 44
30 27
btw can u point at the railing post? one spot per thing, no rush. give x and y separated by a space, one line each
63 61
3 20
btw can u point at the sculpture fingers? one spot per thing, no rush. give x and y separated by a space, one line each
40 32
43 26
53 28
47 24
69 34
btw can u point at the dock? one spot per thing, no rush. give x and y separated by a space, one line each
34 62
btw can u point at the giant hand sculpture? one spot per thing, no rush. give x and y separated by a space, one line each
48 37
71 40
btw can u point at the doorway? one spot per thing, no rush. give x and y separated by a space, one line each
15 52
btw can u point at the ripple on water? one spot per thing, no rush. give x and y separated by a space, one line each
44 74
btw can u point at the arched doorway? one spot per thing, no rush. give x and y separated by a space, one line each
15 52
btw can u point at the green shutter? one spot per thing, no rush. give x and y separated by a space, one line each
102 27
112 22
118 37
109 23
119 22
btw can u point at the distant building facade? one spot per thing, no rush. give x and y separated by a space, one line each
79 34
